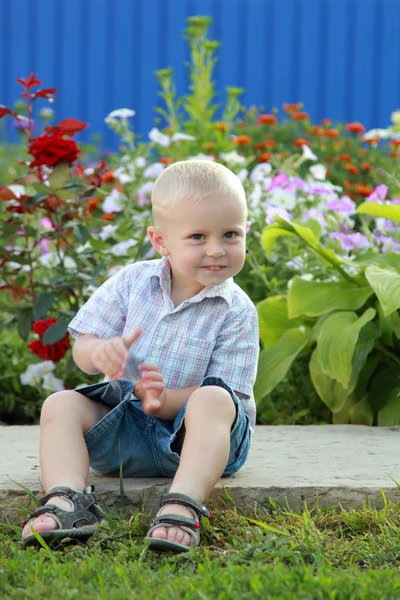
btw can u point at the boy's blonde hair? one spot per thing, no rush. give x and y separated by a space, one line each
193 180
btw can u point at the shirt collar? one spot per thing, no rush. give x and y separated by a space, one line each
161 277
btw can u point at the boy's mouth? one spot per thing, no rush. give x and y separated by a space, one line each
215 267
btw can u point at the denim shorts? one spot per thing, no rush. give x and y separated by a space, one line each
143 444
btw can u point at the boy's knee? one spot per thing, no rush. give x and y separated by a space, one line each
55 405
214 400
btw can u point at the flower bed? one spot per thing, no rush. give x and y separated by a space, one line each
322 262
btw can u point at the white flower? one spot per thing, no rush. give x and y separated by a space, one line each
121 113
143 193
113 202
17 190
70 264
308 154
122 248
154 170
52 383
34 373
122 176
50 259
140 162
177 137
307 277
382 134
232 158
156 136
260 172
107 231
281 198
201 156
89 171
242 175
318 172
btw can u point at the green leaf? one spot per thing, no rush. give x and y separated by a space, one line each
270 235
43 304
331 391
386 285
59 176
389 415
25 320
99 244
356 412
41 188
55 332
386 211
315 227
382 384
387 325
275 362
337 342
273 320
81 234
315 298
384 259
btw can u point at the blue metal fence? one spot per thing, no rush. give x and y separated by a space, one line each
341 58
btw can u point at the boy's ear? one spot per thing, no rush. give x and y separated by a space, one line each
157 240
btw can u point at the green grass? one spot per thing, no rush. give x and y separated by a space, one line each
270 552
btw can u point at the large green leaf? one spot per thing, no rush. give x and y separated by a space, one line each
389 415
273 320
387 325
59 176
385 259
43 304
386 285
55 332
386 211
270 235
315 298
337 342
355 411
382 383
331 391
275 362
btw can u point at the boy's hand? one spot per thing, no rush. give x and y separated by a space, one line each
150 389
110 356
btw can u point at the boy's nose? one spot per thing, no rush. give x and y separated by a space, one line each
215 250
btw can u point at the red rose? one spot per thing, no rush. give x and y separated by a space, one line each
54 352
41 326
50 150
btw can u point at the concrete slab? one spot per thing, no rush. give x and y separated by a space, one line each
327 464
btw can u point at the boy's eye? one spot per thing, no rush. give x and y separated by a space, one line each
230 235
197 236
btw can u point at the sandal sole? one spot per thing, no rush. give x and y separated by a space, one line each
55 537
166 546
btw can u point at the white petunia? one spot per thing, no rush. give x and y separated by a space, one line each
113 202
122 176
382 134
144 192
121 113
156 136
178 137
201 156
233 159
242 175
318 172
52 383
260 172
122 248
282 198
34 373
308 154
107 231
154 170
140 162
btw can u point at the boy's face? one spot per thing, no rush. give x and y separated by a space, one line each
205 242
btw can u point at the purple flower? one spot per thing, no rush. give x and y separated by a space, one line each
44 246
351 241
281 180
344 204
388 244
379 194
296 184
315 214
271 211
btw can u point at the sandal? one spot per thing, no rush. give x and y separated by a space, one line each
78 524
192 526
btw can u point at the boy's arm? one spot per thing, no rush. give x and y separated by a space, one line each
173 402
82 352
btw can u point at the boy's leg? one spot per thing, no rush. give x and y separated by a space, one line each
210 413
64 461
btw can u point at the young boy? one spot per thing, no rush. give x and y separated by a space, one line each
177 340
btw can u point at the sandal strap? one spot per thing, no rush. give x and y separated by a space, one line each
177 520
194 533
184 500
85 508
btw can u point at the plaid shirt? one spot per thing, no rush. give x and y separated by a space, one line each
214 333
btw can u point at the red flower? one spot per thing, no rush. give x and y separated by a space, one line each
41 326
292 107
264 157
266 119
301 142
300 116
355 127
333 133
242 140
67 127
221 126
51 150
54 352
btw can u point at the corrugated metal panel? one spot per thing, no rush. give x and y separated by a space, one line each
340 57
